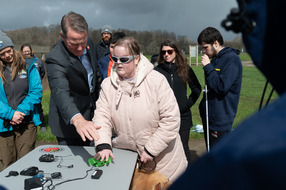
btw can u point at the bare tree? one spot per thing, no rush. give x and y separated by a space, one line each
149 40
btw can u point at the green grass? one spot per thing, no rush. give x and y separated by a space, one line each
47 136
251 91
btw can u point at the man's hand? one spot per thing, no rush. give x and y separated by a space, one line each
17 118
86 129
205 60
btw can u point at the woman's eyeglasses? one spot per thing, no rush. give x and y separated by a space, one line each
170 52
122 59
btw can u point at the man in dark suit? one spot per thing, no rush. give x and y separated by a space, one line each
74 82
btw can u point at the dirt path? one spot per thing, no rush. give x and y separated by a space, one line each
197 148
248 63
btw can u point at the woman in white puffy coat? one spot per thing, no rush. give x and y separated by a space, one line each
138 105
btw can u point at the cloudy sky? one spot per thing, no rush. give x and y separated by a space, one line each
184 17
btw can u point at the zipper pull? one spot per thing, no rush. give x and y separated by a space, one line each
172 80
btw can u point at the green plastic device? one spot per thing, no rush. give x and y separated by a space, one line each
97 163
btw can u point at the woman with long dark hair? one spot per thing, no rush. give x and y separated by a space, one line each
173 65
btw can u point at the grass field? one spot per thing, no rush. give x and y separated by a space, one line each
251 91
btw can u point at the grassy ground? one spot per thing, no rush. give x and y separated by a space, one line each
46 136
251 91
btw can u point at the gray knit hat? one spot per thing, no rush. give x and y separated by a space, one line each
106 28
5 41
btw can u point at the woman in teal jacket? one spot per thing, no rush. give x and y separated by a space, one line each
20 91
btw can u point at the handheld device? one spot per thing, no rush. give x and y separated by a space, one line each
97 163
31 171
47 158
96 174
33 183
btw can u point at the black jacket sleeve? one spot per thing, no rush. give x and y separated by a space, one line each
195 87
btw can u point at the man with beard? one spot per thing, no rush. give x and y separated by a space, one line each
102 48
223 75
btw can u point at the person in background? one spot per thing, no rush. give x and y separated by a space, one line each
223 76
172 64
102 48
154 59
105 64
74 81
20 91
138 104
28 54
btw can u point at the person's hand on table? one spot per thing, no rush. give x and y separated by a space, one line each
104 154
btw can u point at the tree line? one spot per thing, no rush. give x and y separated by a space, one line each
149 40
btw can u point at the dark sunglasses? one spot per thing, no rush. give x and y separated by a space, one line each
170 52
122 59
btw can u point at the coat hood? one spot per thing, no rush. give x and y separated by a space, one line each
228 50
143 69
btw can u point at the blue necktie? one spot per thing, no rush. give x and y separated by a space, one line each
87 65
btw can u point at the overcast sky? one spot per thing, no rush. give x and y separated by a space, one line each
184 17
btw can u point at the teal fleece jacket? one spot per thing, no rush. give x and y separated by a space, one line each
27 105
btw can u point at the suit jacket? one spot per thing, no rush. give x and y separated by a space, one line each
70 92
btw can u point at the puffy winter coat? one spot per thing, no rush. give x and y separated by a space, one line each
143 113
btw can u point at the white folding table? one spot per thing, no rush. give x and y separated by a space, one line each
116 175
